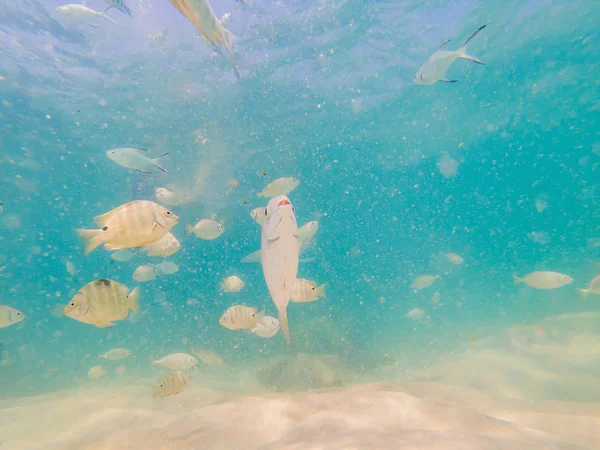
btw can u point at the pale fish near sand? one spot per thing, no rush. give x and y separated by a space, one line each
134 158
208 356
434 69
423 281
232 284
177 361
267 327
172 384
10 316
281 186
116 354
280 251
240 317
101 302
544 280
96 372
131 225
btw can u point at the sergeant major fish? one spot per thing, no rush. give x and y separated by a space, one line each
10 316
280 251
173 384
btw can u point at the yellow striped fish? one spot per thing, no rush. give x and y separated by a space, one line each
102 301
240 317
131 225
172 384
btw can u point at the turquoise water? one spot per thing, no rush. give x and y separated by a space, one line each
325 95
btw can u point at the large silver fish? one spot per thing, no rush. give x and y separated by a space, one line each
280 250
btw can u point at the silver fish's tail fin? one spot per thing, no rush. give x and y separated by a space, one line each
127 11
133 300
517 280
228 39
285 325
158 166
583 292
462 51
92 239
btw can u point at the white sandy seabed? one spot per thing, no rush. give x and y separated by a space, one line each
534 387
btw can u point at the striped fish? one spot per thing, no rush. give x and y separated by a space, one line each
172 384
131 225
101 302
240 317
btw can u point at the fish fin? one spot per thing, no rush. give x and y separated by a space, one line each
134 300
253 257
517 280
155 162
189 230
108 9
261 315
143 171
446 80
583 292
462 51
92 239
105 325
284 325
102 219
444 44
321 291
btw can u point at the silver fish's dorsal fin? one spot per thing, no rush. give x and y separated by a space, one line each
444 44
473 35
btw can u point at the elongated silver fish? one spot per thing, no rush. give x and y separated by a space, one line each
280 251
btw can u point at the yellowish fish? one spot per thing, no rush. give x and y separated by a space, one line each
544 280
208 356
172 384
177 361
131 225
232 284
165 246
101 302
240 317
423 281
96 372
305 291
454 258
10 316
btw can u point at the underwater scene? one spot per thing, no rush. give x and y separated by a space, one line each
294 225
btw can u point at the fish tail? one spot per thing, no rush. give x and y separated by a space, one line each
158 166
92 239
134 300
462 51
189 229
517 280
321 291
583 292
284 324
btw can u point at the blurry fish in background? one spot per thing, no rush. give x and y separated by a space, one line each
157 39
177 361
454 258
593 288
232 284
208 356
123 255
172 384
144 273
280 252
10 316
306 291
96 372
541 203
447 166
540 237
101 302
165 246
207 229
267 327
434 69
201 15
116 354
166 268
281 186
416 314
71 269
134 158
2 269
131 225
544 280
166 197
81 13
120 5
423 281
239 317
435 298
1 207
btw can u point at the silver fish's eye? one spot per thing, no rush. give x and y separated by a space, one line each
18 314
168 213
266 211
105 229
73 304
293 209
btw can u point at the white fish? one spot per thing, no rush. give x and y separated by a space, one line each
436 66
593 288
281 186
123 255
306 291
96 372
71 269
259 215
207 229
541 203
232 284
280 251
81 13
454 258
239 317
267 327
544 280
134 158
144 273
416 314
447 166
423 281
10 316
116 354
166 268
165 246
177 361
166 197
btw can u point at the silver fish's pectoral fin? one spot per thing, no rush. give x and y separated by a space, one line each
446 80
143 171
444 44
273 239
